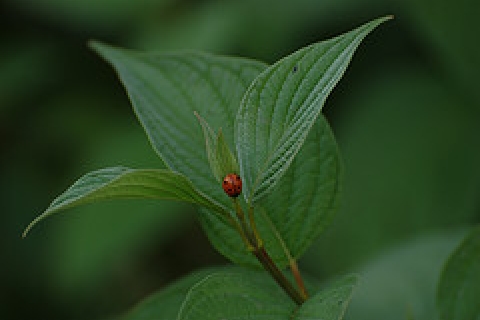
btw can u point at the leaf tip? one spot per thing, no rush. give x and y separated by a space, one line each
95 45
104 50
30 226
385 18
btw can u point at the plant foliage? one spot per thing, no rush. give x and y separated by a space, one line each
195 109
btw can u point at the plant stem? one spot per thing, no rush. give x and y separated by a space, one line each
279 277
253 225
252 243
255 245
298 279
292 262
243 235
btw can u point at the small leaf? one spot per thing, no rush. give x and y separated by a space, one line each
121 182
282 104
221 159
237 294
211 148
330 303
458 295
226 160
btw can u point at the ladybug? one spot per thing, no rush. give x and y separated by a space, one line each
232 185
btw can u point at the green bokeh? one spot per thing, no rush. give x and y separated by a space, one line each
406 115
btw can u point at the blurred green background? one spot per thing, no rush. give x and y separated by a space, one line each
406 116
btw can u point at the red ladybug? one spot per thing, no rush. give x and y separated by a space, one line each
232 185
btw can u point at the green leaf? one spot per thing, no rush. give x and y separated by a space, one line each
236 294
458 292
227 162
84 251
165 304
306 199
248 294
121 182
211 147
220 158
330 303
282 105
166 89
301 206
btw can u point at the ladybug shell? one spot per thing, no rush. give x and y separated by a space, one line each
232 185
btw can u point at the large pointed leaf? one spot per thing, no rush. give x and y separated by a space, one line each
458 294
166 90
282 105
121 182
